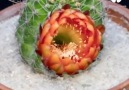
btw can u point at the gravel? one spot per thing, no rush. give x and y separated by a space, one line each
110 68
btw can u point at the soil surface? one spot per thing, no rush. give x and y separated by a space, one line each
110 68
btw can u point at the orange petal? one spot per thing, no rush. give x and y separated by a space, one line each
95 54
81 22
90 26
54 27
90 40
60 71
67 13
91 52
66 61
99 38
62 21
45 31
48 39
83 64
101 28
54 59
71 68
54 16
72 16
55 67
45 49
90 20
84 50
80 15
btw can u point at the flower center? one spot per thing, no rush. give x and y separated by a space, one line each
66 34
66 41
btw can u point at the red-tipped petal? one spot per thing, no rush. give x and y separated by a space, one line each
66 6
101 28
87 12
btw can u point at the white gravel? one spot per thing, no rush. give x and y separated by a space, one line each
111 67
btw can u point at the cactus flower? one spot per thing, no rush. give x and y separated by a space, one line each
69 41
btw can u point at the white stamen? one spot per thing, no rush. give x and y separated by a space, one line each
67 51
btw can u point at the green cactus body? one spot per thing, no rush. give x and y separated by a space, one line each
36 12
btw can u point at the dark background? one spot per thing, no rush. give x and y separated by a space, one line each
6 3
125 3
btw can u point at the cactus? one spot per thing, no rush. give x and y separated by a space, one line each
34 15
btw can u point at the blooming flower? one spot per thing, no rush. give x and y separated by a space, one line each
69 41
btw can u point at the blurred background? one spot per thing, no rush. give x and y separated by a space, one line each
6 3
